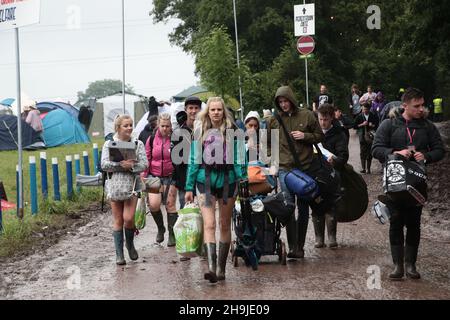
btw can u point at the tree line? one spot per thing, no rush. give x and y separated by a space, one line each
411 47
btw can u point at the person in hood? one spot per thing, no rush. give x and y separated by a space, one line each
305 131
336 143
378 105
252 126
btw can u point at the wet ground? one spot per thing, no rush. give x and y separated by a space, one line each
82 266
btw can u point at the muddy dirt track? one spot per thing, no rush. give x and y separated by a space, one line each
81 265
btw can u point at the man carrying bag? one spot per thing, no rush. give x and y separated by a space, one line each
303 129
412 137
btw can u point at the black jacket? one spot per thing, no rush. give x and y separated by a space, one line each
336 142
180 170
392 135
346 123
145 134
373 119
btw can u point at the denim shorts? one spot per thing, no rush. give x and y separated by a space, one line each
218 193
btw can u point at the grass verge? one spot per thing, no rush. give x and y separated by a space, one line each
21 235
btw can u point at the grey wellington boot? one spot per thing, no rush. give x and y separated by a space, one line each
410 262
224 248
319 230
331 230
397 258
129 243
118 243
212 263
158 217
171 219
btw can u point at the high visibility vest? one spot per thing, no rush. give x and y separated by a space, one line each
437 105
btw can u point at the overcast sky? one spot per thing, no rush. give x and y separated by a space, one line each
58 60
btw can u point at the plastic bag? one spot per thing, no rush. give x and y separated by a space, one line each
140 215
189 231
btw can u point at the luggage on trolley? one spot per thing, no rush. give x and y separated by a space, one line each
257 232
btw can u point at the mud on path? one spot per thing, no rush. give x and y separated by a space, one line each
81 265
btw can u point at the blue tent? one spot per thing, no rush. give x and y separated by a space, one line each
44 107
8 134
62 128
7 102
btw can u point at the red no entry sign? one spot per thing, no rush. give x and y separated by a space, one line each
305 45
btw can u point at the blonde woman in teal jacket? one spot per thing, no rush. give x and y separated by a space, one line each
216 179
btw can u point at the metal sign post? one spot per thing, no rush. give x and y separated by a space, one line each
237 57
305 25
123 55
19 129
305 46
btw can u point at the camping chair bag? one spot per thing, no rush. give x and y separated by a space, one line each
355 197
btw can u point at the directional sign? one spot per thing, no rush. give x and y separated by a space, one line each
304 20
305 45
19 13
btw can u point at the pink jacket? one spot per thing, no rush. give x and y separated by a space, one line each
158 155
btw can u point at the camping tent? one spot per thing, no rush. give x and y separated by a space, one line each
8 134
44 107
60 127
108 108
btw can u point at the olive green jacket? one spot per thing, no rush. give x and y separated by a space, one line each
300 119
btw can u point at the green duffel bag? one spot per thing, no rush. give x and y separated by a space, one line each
355 198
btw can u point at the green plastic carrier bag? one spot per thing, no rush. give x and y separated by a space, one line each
140 215
189 231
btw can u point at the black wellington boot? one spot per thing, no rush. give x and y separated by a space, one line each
224 248
363 165
302 225
319 230
331 230
118 243
171 219
129 243
158 217
369 164
397 258
291 234
410 262
212 262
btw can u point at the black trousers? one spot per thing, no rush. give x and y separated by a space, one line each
405 217
365 150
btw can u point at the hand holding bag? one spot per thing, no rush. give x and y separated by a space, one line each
189 231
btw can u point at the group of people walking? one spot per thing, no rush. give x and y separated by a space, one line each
214 182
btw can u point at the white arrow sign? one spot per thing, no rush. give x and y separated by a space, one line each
19 13
304 20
